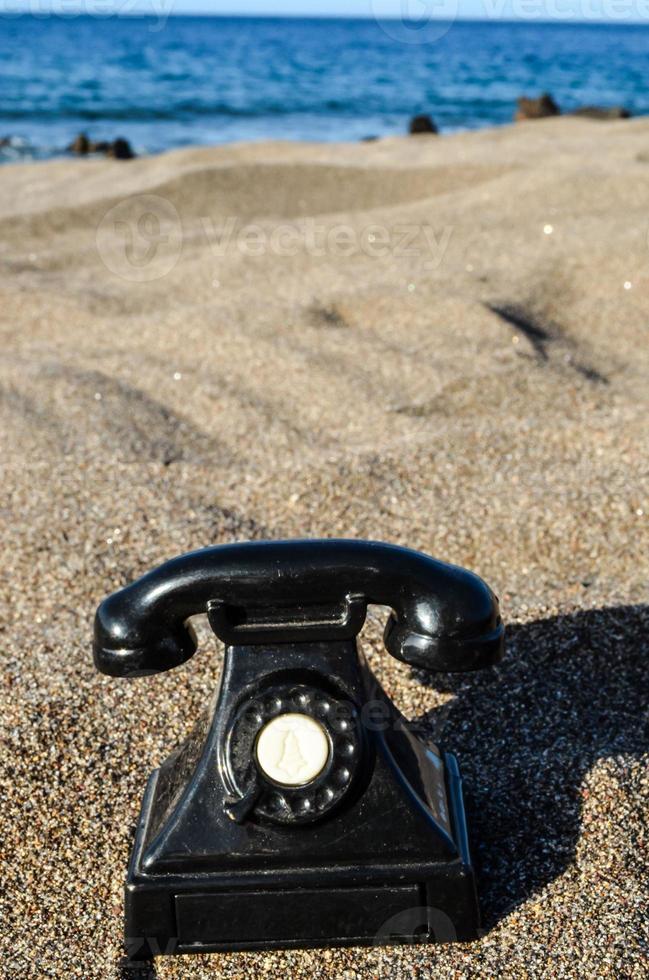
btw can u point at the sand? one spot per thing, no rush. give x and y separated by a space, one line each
454 356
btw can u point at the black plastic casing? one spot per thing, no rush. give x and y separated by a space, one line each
375 850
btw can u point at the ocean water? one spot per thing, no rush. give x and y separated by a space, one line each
196 80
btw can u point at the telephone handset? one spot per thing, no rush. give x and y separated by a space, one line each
306 811
444 618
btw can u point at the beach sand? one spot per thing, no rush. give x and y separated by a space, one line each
454 356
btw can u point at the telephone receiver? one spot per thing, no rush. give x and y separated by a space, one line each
305 810
443 617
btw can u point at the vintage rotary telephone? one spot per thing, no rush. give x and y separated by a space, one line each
303 811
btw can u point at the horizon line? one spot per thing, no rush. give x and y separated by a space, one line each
73 14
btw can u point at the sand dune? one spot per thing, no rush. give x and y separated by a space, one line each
440 342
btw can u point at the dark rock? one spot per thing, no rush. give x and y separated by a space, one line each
421 125
120 149
536 108
601 112
80 145
369 139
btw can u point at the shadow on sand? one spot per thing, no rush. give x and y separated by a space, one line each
571 690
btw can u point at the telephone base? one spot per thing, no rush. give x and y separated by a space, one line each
377 903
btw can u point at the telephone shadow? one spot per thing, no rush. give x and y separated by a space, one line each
571 690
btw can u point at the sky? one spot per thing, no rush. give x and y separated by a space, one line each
607 11
339 8
616 11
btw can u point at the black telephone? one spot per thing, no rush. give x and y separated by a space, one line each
304 811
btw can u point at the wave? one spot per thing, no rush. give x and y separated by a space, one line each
185 109
151 113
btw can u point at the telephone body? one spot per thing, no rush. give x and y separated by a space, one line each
303 810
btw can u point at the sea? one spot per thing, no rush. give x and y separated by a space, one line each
164 83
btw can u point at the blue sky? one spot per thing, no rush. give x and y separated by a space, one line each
340 8
619 11
608 11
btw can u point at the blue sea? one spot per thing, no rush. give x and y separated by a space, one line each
201 80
